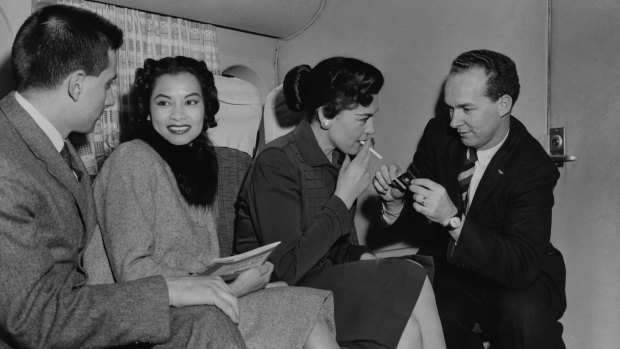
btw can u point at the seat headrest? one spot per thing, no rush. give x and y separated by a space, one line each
278 118
239 116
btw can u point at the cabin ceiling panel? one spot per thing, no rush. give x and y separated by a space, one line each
275 18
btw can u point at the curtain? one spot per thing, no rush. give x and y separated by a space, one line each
146 35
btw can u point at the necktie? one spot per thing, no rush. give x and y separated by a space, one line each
67 157
466 174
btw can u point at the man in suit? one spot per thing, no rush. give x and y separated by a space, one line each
65 60
481 205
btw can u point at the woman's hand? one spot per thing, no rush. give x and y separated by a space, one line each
382 183
367 256
353 178
252 279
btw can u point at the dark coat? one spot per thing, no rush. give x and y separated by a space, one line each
505 239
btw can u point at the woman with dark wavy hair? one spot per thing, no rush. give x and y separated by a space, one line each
155 199
302 190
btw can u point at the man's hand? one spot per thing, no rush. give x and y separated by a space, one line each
252 279
185 291
432 200
392 197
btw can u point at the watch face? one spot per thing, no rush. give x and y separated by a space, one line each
455 222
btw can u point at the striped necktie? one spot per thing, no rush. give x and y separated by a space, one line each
67 157
466 174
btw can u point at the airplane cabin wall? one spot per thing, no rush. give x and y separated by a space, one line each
585 83
12 14
249 57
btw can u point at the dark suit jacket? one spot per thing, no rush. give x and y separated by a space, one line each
505 240
46 218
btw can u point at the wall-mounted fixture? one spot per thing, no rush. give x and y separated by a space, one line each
557 144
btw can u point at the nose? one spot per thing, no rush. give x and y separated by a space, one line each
456 118
370 127
177 113
109 98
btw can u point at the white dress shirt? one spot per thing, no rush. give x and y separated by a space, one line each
50 131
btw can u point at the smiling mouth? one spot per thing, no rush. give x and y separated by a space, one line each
181 129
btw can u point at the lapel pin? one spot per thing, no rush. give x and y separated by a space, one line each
500 171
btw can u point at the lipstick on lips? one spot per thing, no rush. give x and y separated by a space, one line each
374 152
178 129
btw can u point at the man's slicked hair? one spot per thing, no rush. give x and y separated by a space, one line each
57 40
501 72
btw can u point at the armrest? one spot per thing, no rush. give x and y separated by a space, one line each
396 252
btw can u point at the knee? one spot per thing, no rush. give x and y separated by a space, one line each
202 325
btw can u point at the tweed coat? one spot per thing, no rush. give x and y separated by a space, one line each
46 219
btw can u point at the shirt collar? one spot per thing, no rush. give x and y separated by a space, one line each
485 156
50 131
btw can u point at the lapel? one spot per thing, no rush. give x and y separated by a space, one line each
43 149
496 169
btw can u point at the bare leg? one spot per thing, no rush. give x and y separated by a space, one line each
426 321
321 337
412 335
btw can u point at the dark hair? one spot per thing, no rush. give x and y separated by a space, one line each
336 84
153 69
57 40
502 77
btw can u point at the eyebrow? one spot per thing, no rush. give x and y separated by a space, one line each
161 95
193 94
462 105
368 114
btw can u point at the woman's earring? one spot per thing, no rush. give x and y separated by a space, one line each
325 124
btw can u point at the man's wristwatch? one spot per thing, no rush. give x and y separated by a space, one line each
453 222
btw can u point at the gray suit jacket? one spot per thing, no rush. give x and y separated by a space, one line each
46 219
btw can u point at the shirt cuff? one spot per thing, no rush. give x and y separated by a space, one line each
389 217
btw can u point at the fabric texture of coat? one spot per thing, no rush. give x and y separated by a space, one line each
46 219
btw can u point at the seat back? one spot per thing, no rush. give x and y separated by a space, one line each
278 119
234 139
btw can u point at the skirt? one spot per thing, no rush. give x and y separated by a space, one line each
373 299
283 317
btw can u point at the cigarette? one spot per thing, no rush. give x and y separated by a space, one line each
374 152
